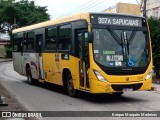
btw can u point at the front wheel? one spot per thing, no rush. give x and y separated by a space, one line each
29 76
70 87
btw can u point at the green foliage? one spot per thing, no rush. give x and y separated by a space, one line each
29 14
8 48
22 13
7 12
154 25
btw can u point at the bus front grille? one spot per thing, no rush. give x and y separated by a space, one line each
121 87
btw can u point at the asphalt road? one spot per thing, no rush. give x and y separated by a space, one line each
52 98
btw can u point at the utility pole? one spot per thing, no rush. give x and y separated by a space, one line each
143 7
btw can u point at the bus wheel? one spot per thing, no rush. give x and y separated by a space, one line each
29 76
70 87
117 94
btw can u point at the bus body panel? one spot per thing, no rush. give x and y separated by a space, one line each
99 87
31 59
17 62
54 67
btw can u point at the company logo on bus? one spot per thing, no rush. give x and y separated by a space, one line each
127 78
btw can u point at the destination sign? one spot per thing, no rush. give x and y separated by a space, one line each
116 20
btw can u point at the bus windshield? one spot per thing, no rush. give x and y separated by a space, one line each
119 47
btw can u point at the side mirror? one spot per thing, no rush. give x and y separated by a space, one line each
90 37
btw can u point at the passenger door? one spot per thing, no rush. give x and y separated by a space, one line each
39 43
83 54
17 54
20 47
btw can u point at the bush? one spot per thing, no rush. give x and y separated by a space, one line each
154 25
8 50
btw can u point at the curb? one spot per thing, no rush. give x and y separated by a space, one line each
15 119
6 60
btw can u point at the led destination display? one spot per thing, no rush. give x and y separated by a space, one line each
116 20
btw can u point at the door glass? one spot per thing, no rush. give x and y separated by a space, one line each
38 43
80 46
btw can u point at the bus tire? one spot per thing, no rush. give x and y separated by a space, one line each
29 76
70 87
117 94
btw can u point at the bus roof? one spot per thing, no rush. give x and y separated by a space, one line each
54 22
79 16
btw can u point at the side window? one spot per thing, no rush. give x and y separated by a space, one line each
50 38
30 40
15 42
64 37
20 44
25 42
80 45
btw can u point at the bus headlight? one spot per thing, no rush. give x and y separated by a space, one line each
99 76
149 74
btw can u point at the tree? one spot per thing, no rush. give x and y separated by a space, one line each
28 13
22 13
154 25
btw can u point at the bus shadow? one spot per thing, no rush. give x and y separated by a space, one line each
50 87
109 98
94 98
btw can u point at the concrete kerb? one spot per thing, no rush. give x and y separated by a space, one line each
5 60
15 119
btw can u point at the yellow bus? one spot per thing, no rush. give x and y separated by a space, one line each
90 52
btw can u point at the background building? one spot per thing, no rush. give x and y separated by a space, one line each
153 8
125 8
4 44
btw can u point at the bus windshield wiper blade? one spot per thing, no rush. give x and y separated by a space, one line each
114 35
132 36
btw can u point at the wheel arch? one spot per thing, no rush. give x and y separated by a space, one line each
66 72
27 66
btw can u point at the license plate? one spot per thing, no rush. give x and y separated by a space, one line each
127 89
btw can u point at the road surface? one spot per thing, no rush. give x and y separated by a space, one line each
53 98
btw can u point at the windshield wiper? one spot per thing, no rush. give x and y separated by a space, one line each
114 35
132 36
126 43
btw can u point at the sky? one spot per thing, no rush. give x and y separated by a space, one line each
60 8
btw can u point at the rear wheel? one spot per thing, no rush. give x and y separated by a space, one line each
70 87
29 76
